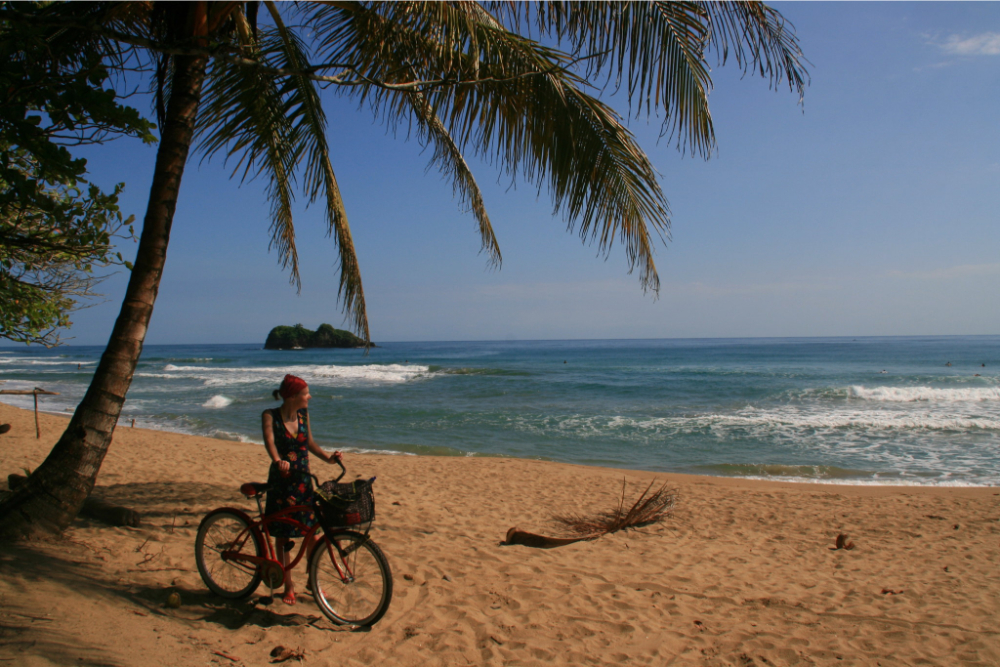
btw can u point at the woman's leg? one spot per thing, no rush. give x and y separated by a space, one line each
309 545
288 597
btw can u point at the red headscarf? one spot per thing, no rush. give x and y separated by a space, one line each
291 385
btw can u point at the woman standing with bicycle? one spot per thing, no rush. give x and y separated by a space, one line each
288 439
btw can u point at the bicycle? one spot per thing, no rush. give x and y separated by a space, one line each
349 576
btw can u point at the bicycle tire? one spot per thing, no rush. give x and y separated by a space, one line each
217 532
362 597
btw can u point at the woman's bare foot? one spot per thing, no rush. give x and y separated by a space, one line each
288 598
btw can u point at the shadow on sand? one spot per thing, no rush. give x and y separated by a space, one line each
63 565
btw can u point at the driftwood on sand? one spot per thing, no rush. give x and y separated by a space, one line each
524 538
648 508
94 508
113 515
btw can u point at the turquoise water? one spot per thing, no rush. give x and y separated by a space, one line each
865 410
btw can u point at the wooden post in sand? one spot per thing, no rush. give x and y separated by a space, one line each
34 392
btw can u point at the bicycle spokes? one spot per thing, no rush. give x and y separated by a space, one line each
227 553
350 579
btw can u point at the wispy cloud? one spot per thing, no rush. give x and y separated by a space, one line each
983 44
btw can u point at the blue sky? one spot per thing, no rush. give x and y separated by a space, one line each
870 210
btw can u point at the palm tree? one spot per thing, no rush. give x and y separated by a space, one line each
464 74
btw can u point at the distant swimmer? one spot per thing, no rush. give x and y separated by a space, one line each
948 364
883 371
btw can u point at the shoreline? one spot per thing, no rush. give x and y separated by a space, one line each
742 571
807 413
838 482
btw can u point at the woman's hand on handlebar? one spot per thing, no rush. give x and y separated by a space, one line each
336 457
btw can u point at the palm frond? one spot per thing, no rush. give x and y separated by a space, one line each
657 51
527 113
449 159
308 122
244 116
276 127
761 41
648 508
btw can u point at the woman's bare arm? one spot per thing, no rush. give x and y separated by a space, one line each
316 449
267 424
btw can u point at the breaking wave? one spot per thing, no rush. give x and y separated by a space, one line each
924 394
217 401
316 374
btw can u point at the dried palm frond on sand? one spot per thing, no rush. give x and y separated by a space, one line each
648 508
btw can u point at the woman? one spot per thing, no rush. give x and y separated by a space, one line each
288 439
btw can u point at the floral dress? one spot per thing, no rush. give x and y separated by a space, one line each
297 487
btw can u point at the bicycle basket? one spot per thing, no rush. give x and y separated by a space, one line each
340 505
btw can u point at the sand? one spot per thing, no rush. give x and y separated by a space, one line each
742 573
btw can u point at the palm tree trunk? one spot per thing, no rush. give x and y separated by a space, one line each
56 490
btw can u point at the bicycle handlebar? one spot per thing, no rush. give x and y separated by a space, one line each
343 471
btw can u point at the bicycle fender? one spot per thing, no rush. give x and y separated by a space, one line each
243 515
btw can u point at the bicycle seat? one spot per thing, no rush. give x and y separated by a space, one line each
251 489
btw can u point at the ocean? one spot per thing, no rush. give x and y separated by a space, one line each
886 410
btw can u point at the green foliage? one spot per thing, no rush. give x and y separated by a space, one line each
288 338
51 240
55 226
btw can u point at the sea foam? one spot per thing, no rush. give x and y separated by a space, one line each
316 374
217 401
774 421
928 394
28 361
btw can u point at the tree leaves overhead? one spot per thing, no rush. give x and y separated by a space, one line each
309 132
658 52
523 110
244 116
449 159
486 89
276 127
516 84
57 230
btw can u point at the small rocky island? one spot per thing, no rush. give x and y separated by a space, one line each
300 338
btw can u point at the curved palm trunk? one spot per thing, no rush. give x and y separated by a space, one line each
56 490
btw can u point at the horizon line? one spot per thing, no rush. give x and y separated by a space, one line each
16 346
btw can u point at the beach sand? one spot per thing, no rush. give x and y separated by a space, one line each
742 573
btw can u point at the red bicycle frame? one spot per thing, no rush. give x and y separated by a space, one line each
260 526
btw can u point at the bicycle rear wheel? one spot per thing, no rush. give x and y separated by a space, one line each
350 579
228 532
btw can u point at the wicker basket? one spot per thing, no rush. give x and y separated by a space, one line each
339 505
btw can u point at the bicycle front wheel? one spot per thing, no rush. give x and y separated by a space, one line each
350 579
225 536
